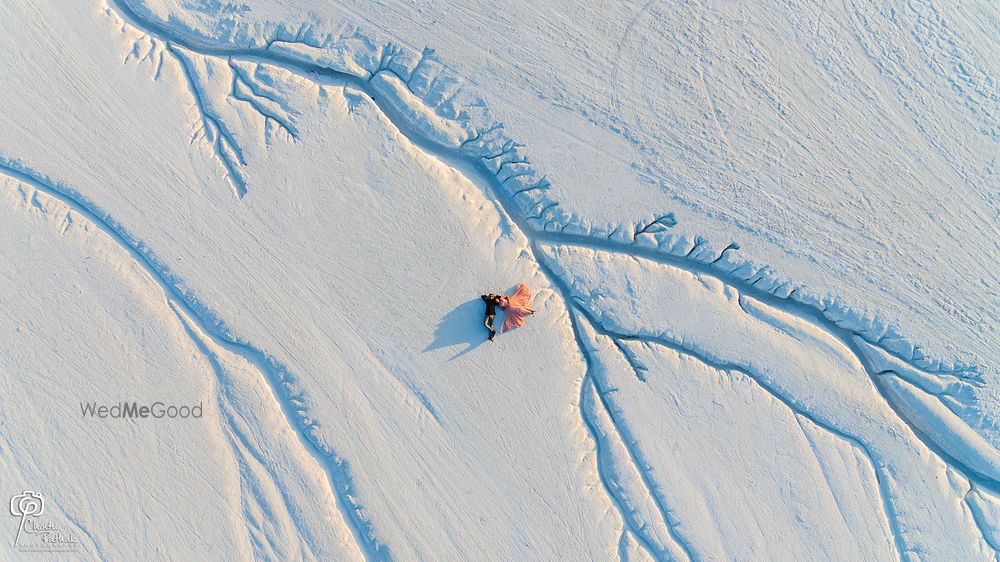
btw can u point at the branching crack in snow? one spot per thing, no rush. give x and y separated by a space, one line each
660 224
634 456
276 375
599 327
542 212
968 472
853 441
722 254
239 442
649 236
245 89
493 171
637 368
213 128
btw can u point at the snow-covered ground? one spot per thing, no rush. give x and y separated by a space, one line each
763 242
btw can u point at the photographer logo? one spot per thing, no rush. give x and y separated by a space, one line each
34 534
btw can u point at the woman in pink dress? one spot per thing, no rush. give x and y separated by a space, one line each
516 307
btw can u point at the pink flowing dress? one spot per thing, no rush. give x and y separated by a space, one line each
516 308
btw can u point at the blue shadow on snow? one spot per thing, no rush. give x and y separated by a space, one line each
463 325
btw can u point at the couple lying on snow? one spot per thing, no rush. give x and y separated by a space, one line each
516 307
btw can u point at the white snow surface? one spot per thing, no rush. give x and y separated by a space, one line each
762 240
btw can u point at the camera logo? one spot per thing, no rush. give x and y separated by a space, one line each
27 503
29 506
24 505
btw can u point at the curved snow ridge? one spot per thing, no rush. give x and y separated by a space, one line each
439 106
935 406
985 509
278 377
942 426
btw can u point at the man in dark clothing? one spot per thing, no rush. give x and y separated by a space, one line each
492 301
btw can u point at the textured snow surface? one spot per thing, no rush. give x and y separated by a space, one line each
762 241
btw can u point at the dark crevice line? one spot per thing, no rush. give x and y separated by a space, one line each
644 473
950 461
255 87
462 160
965 471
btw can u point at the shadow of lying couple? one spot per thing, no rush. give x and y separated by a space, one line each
464 325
